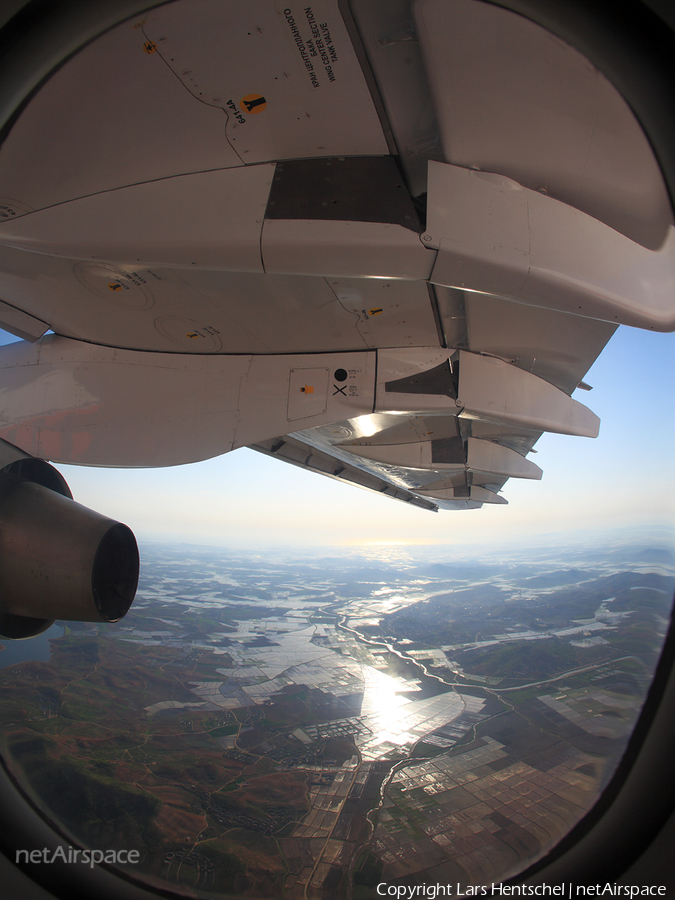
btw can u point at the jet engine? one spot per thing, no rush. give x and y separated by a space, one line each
58 559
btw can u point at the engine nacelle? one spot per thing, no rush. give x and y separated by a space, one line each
58 559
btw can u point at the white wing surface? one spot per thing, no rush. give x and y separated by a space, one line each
381 240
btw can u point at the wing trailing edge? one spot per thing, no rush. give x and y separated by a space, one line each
292 450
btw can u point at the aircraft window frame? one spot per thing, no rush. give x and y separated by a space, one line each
639 62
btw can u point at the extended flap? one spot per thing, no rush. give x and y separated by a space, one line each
495 236
494 390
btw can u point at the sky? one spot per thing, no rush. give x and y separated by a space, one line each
625 477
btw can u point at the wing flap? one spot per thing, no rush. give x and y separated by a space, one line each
293 450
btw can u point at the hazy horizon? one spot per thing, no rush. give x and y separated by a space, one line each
572 542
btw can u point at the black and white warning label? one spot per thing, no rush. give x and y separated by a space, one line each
314 43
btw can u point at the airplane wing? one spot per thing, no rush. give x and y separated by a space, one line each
297 450
383 241
457 461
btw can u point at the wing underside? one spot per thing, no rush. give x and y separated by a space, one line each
452 461
381 240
